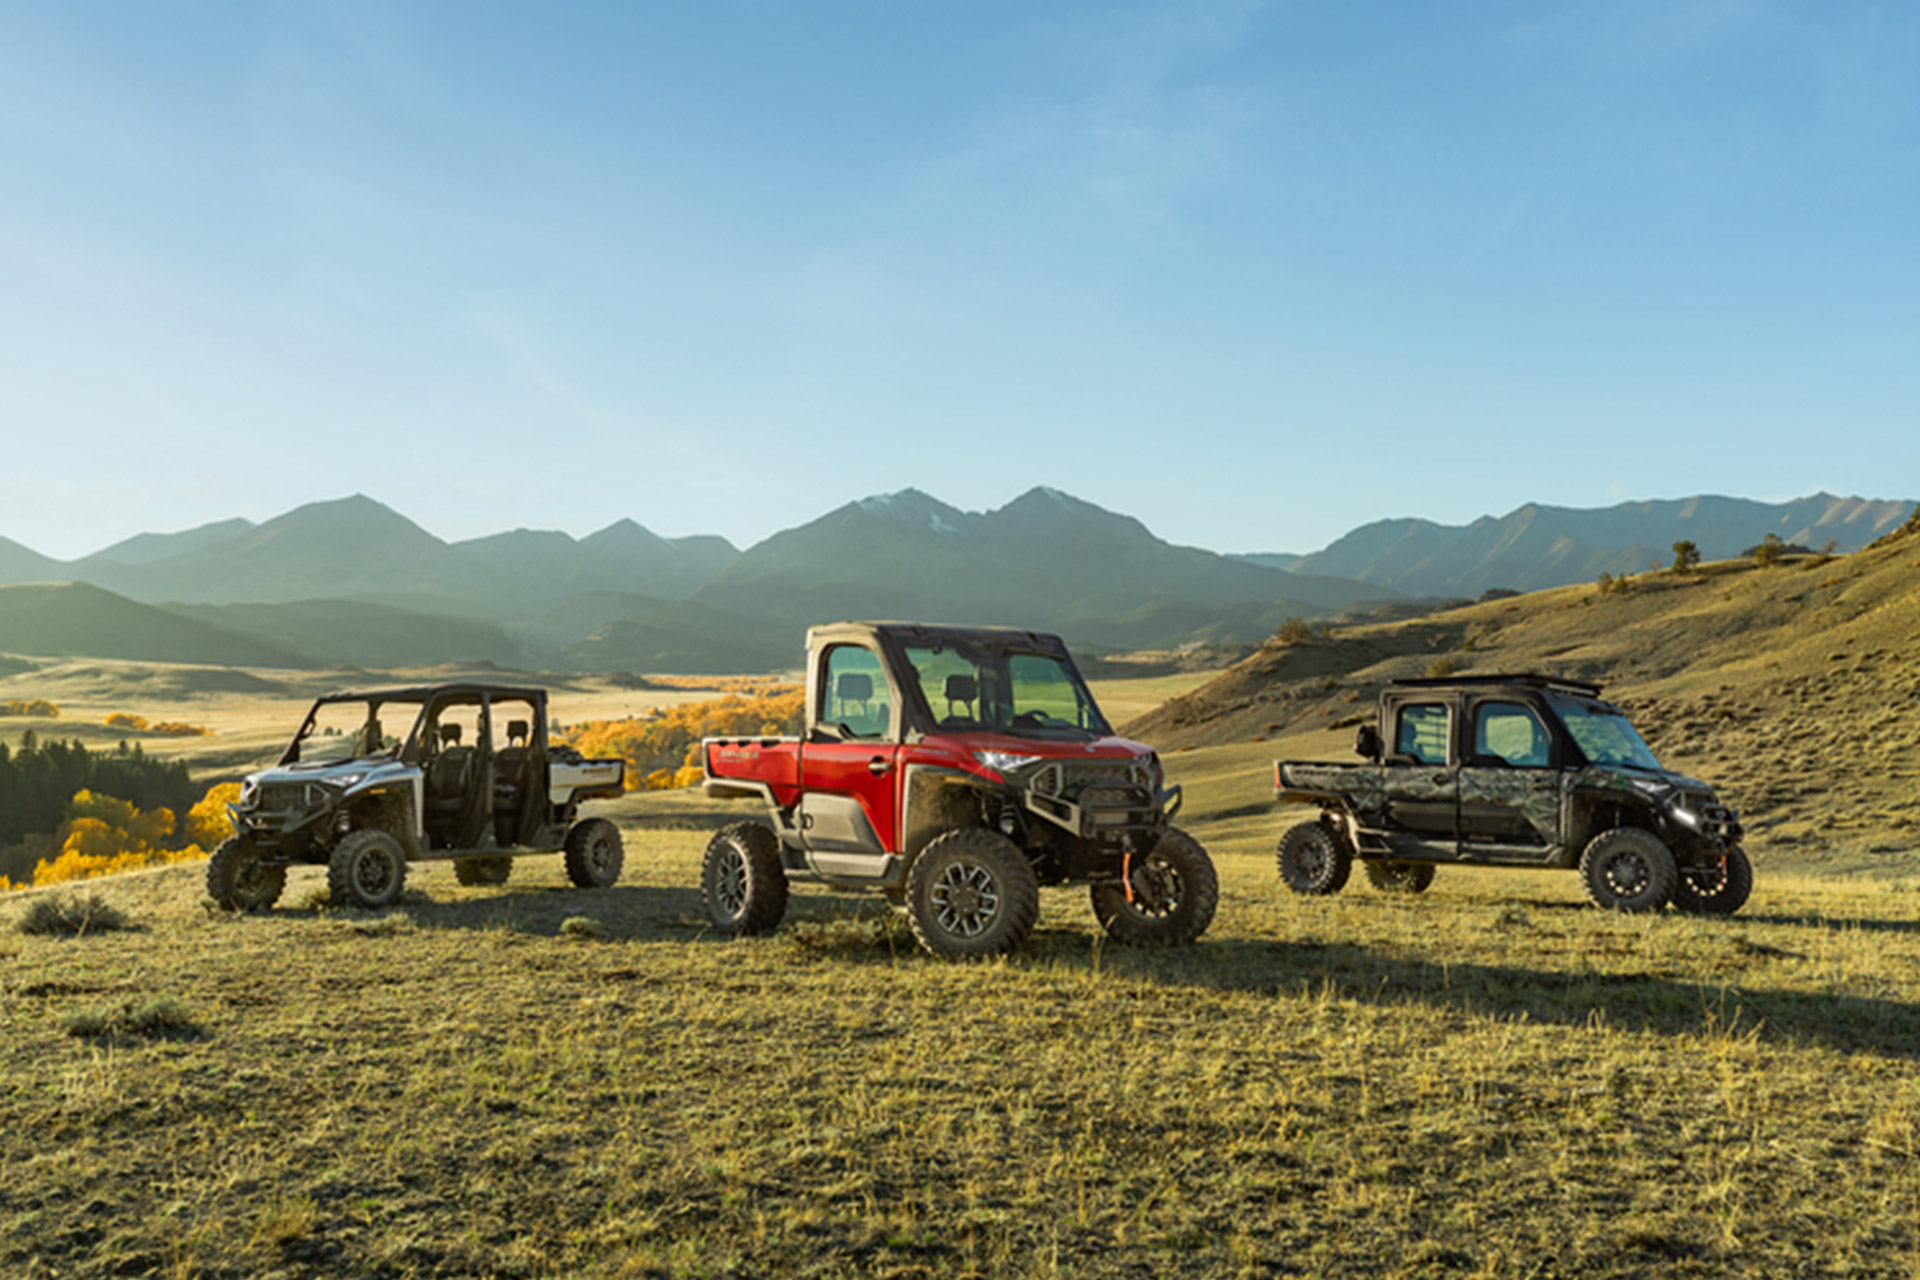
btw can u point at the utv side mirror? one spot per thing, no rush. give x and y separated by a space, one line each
1366 743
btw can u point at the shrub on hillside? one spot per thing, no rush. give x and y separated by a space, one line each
70 915
1293 631
1771 550
30 707
155 1018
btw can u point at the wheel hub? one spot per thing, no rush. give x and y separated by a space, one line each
965 899
1628 874
374 873
731 888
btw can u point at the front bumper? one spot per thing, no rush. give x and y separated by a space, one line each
1118 806
277 811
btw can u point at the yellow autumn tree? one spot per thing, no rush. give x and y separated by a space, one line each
207 822
104 835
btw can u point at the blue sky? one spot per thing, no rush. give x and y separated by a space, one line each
1255 273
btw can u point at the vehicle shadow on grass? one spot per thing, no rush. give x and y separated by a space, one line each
623 913
1643 1001
1825 921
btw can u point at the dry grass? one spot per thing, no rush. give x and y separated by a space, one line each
1490 1079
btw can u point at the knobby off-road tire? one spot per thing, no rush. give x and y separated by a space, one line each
971 893
1175 891
1627 869
742 880
1399 877
475 871
1719 892
237 880
1314 859
367 869
594 853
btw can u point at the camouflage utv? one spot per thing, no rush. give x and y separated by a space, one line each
1512 771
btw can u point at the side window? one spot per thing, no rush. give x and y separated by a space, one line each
1512 732
855 693
1421 732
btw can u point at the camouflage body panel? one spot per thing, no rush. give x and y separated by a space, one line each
1537 795
1361 788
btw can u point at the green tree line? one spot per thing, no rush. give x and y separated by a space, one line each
39 780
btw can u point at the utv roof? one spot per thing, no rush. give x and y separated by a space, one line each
422 692
1525 679
935 633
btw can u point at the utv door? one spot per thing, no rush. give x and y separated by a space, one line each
849 807
1422 785
1510 790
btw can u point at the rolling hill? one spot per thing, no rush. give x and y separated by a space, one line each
1789 687
23 564
78 620
356 633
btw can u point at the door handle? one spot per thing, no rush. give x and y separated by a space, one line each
879 765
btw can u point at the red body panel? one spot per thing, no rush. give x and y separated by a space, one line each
774 761
864 771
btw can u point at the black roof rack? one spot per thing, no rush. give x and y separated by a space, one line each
1529 679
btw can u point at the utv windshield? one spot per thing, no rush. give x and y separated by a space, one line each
351 729
1027 695
1604 735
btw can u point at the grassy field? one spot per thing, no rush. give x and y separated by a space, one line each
1490 1079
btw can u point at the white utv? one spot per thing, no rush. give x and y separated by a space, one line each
375 780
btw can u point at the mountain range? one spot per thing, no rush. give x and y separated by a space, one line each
350 582
1540 546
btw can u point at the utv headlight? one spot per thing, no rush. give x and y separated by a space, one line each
346 781
1004 762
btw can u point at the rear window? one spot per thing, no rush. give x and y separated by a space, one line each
1421 732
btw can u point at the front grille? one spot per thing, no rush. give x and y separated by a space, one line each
1072 781
283 797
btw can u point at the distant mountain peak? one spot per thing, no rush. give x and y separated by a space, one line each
623 533
915 509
